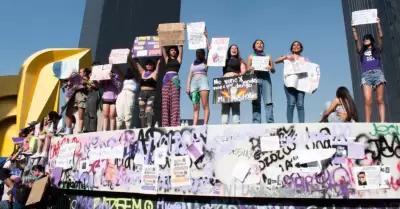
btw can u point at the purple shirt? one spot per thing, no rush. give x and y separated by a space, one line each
111 88
370 62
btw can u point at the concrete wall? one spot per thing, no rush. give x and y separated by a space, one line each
225 146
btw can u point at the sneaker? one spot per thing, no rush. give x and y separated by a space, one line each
20 157
43 154
36 155
27 152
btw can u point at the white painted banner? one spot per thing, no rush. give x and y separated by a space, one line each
363 17
196 37
218 52
303 77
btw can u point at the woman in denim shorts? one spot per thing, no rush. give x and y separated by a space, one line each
197 84
372 77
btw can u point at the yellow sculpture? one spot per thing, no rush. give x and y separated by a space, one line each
30 95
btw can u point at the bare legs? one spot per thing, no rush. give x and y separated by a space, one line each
109 114
204 97
81 112
380 90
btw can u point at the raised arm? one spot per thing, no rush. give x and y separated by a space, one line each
280 59
380 34
180 49
137 65
157 67
355 35
330 109
119 72
207 42
164 54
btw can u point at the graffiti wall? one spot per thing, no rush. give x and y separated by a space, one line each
330 161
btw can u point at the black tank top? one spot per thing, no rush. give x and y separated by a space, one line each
173 65
232 66
150 82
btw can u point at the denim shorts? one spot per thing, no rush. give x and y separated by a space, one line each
373 78
199 83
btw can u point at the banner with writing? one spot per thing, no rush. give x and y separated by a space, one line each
101 72
118 56
171 34
260 63
146 46
235 89
196 37
362 17
218 52
303 77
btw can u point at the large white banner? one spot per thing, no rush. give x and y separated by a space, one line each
301 76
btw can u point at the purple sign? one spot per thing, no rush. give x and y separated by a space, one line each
146 46
18 140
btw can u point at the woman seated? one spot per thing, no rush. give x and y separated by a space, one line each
342 107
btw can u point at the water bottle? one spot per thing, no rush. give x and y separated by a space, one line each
182 123
186 123
156 125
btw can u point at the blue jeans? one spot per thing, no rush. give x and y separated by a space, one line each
264 86
294 98
226 109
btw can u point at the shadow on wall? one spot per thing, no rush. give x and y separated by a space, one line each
30 95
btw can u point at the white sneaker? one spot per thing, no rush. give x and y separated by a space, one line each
20 157
27 152
36 155
43 154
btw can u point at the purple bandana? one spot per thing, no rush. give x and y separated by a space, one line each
147 74
168 77
259 53
197 62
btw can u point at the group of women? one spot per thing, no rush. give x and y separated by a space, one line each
119 93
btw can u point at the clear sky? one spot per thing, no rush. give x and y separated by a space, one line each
29 26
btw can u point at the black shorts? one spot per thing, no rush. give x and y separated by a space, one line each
108 102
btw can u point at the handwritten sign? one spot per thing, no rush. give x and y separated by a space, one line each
260 63
235 89
101 72
146 46
196 37
66 156
218 52
118 56
363 17
171 34
305 78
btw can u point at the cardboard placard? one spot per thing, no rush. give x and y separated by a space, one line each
171 34
37 191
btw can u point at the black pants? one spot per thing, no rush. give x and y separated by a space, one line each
90 118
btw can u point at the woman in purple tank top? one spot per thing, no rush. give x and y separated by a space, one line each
372 77
197 84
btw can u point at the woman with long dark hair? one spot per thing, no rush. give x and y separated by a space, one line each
234 66
171 110
197 84
295 98
264 85
372 77
147 95
344 107
92 103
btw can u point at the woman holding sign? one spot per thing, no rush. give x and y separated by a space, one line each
147 95
171 113
372 77
262 64
294 96
197 84
234 66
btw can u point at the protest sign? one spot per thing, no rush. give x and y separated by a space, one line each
363 17
66 156
101 72
218 52
149 179
64 69
235 89
146 46
180 171
118 56
260 63
171 34
303 77
371 177
196 37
